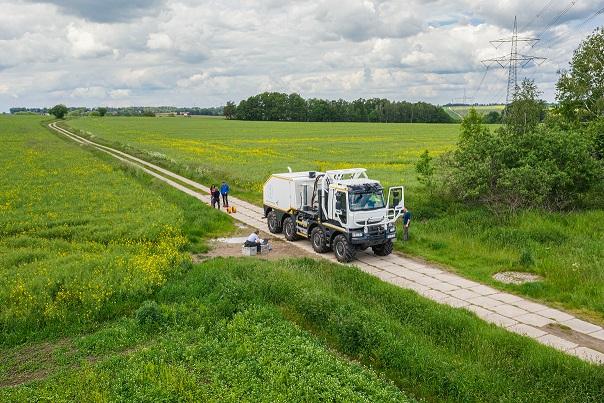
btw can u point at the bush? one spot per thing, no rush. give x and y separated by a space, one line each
149 314
526 258
546 167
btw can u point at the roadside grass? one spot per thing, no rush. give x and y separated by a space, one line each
80 241
246 329
566 247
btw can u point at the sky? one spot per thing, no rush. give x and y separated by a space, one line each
205 53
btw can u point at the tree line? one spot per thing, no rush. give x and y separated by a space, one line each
276 106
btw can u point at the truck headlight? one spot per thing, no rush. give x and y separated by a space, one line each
357 234
391 227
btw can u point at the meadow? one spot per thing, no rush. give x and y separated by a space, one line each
460 111
76 224
564 248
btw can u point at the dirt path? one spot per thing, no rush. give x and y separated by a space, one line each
548 326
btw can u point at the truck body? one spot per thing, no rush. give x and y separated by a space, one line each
342 210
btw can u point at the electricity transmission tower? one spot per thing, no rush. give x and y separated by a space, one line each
512 61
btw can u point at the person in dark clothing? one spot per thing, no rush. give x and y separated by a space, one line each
215 196
224 191
406 223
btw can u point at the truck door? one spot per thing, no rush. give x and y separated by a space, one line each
341 207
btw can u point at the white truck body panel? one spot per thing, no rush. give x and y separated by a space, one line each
289 190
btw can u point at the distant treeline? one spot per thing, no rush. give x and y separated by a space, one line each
292 107
127 111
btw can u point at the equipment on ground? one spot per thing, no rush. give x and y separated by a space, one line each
342 210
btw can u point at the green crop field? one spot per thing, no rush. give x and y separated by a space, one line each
566 248
460 112
100 302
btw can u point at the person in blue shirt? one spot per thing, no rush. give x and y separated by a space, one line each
406 223
224 191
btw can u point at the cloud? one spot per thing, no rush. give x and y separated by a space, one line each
107 11
85 43
186 52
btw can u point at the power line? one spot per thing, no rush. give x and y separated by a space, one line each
555 20
539 14
514 59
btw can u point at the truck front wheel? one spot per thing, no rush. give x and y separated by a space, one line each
289 227
344 250
274 225
319 243
384 249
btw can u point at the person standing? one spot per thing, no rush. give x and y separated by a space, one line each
406 223
224 191
215 195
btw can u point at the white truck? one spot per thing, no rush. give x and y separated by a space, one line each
342 210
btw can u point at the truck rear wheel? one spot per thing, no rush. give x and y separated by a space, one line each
319 243
289 228
274 225
384 249
344 250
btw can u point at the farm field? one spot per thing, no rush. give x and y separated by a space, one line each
460 112
564 248
225 329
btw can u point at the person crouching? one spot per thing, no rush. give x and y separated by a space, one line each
254 240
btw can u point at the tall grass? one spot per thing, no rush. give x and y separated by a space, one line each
79 239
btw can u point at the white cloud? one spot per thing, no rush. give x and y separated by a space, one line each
84 43
185 52
159 41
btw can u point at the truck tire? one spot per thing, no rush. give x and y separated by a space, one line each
344 250
289 228
319 243
384 249
274 225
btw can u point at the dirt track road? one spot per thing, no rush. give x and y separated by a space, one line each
540 322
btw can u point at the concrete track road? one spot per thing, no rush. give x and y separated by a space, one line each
546 325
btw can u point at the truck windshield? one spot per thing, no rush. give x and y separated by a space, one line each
366 201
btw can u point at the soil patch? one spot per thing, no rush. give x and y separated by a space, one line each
231 247
574 336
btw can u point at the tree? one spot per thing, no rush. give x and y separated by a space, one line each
491 118
59 111
102 111
425 170
580 90
230 109
526 110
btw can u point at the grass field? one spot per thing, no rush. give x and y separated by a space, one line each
460 112
226 329
566 248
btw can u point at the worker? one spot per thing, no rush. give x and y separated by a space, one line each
406 223
215 194
254 240
224 191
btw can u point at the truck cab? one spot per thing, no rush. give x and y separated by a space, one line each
342 210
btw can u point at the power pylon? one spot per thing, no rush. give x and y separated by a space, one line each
512 61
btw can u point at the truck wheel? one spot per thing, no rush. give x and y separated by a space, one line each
274 225
289 228
384 249
344 250
319 243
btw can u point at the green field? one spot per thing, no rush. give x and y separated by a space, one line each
566 247
75 223
461 111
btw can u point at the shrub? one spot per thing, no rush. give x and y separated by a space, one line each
546 167
526 258
149 314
